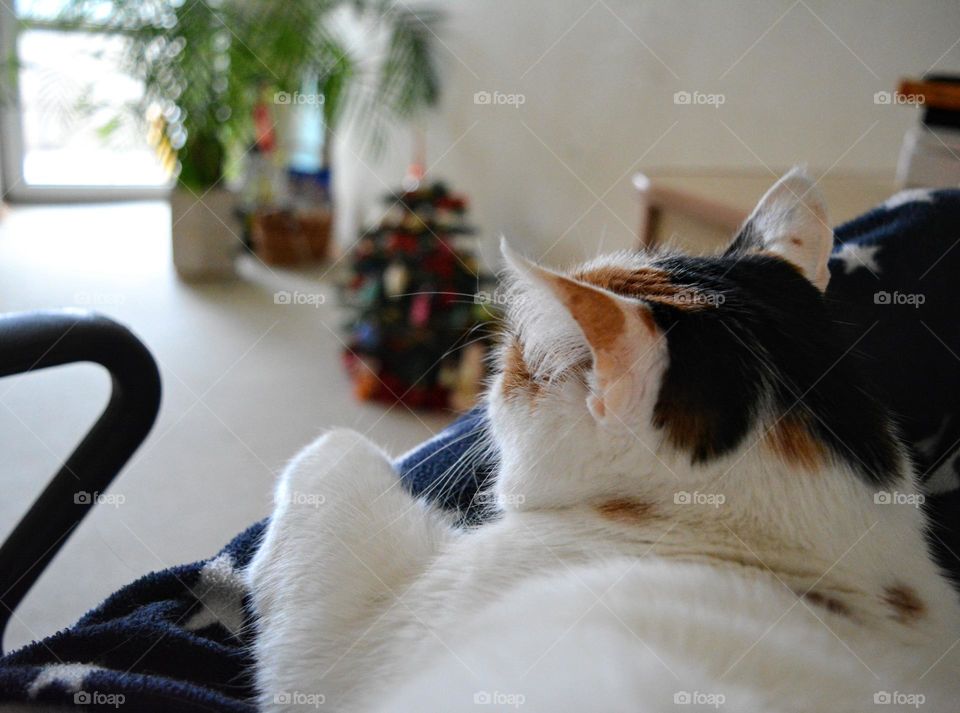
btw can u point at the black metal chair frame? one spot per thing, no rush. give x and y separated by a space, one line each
37 340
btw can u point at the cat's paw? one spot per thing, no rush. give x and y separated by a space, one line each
339 462
342 546
315 505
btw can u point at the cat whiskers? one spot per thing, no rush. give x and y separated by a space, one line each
478 451
443 481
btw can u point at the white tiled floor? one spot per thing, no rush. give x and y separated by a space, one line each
246 383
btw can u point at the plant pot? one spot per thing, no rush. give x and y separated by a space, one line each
206 234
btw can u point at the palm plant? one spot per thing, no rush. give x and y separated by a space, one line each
205 65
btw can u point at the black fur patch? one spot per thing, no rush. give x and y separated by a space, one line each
771 342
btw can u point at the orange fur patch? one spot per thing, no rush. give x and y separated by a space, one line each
631 512
644 283
516 374
905 602
598 315
792 441
828 603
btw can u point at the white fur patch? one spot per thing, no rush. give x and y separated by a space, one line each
792 220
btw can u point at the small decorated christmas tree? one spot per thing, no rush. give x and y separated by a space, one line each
418 333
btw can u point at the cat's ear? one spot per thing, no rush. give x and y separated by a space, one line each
790 221
627 348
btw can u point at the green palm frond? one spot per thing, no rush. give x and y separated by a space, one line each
206 63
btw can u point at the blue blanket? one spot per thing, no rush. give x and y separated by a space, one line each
174 640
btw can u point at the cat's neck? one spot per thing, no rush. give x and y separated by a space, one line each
825 529
875 576
624 526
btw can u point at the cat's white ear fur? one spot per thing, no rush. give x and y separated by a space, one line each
627 348
791 221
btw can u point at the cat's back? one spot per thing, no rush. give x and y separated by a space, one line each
535 593
655 632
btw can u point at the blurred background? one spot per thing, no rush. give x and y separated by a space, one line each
296 206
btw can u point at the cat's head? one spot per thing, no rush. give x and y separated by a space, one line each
643 367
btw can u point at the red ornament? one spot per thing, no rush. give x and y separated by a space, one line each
265 137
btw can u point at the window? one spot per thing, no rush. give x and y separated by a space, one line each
72 131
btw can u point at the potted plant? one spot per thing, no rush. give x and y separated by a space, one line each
207 66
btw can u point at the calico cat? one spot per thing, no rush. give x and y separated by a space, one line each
694 513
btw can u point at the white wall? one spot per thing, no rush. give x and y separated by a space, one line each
598 79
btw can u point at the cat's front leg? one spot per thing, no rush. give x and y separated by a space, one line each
343 544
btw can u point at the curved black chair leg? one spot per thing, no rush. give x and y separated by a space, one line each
37 340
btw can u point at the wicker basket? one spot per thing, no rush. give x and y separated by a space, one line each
288 238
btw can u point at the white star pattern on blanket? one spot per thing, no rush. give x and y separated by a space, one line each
220 593
911 195
68 675
855 256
